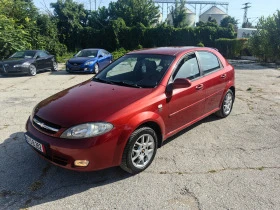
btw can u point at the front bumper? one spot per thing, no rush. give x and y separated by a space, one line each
100 151
79 68
13 70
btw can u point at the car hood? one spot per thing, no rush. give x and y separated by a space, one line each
15 60
81 59
87 102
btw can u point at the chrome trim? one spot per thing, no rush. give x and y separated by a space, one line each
43 125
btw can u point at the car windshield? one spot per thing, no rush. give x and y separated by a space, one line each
136 70
87 53
24 54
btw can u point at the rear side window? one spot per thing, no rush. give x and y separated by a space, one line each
208 61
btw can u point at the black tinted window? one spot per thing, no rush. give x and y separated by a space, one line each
187 68
208 61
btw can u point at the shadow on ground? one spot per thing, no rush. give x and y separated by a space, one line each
27 180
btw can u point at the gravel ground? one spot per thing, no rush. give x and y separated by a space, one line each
231 163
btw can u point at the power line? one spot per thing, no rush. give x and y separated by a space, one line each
246 7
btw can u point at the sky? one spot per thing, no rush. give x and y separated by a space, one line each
258 7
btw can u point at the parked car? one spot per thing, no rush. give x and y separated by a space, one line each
29 62
89 61
123 114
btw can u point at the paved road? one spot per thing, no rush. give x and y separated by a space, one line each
233 163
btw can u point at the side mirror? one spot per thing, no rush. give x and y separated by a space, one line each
100 56
181 83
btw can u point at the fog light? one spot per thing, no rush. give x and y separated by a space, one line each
81 163
85 69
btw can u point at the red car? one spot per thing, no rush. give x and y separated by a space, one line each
123 114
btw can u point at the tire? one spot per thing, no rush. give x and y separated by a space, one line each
227 104
140 150
96 68
54 66
32 71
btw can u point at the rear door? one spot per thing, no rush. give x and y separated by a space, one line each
186 105
215 79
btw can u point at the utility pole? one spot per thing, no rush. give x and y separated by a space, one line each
94 5
245 19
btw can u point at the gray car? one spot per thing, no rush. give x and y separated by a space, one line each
29 62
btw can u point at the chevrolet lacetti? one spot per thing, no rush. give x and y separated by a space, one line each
123 114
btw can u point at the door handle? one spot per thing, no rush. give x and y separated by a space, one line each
199 87
223 76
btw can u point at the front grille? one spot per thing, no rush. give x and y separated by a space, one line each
45 126
76 64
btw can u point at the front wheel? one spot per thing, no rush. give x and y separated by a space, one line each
140 150
226 105
32 70
96 68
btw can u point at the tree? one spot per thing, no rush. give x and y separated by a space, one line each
229 20
247 25
266 43
70 17
99 19
134 12
17 25
179 14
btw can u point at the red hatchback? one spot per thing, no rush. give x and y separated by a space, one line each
123 114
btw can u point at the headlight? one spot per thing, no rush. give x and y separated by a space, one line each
25 64
87 130
89 63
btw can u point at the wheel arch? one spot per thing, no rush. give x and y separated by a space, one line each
144 119
157 130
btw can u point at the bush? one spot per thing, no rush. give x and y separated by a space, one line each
119 53
231 48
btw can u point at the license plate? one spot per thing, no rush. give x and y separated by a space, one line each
35 144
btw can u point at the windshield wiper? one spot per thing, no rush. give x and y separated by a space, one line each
101 80
123 83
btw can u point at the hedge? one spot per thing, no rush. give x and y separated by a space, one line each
232 48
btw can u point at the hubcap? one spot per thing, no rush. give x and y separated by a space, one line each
227 103
96 68
143 151
32 70
55 66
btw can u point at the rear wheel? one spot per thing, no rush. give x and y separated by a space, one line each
54 66
226 105
32 70
140 150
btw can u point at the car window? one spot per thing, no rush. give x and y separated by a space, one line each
24 54
187 68
140 70
42 54
208 61
87 53
127 66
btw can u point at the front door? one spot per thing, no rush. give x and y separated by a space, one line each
186 105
